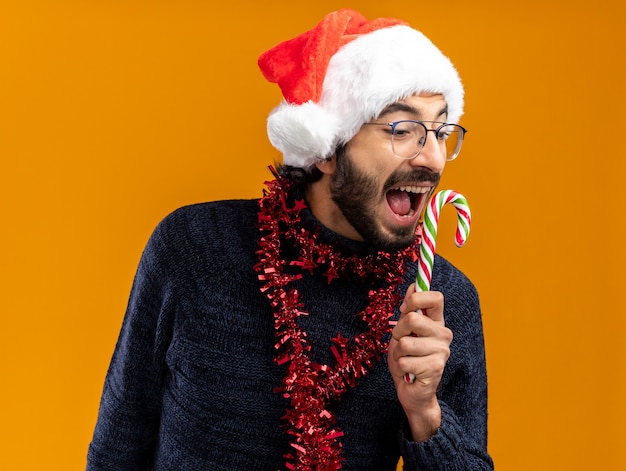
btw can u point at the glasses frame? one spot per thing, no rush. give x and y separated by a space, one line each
393 124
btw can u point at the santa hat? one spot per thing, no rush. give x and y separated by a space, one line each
343 73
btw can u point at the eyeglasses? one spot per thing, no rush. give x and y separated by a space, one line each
408 137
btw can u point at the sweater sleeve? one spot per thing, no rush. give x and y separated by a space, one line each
460 443
126 430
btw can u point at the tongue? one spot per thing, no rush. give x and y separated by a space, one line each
399 202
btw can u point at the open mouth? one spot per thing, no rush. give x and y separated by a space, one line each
407 201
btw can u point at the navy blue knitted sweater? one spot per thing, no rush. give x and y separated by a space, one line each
190 385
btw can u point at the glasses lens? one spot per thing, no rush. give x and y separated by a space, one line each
451 138
407 138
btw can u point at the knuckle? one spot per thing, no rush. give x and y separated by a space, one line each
438 369
437 296
445 355
443 350
405 343
436 366
413 318
404 363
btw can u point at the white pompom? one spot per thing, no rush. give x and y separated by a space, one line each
305 133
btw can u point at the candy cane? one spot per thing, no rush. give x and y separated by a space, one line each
429 236
429 232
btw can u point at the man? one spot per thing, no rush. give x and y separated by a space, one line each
286 333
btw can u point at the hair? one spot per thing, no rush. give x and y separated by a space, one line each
299 175
305 176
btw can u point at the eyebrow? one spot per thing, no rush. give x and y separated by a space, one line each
404 107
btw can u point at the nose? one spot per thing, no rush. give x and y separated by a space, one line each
431 155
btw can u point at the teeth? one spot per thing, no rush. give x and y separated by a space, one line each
415 189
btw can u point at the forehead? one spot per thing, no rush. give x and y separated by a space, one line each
425 106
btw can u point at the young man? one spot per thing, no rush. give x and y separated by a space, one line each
280 333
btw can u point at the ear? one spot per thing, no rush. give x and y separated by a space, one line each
327 166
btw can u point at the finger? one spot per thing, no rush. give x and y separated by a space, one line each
416 324
408 347
409 292
426 369
430 303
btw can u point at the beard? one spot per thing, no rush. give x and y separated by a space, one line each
357 194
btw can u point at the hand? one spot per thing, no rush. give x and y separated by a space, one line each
420 345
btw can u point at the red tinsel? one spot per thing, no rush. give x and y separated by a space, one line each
312 387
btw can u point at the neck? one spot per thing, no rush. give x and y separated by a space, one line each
321 204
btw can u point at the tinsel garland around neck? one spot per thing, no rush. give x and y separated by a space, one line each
312 388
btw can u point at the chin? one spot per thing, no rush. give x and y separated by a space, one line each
392 243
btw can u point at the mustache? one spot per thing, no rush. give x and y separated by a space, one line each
415 176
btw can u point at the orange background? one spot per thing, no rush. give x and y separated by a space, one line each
114 113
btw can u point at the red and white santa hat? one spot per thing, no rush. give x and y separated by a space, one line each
343 73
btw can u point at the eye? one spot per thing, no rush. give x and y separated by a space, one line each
405 130
401 132
447 131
